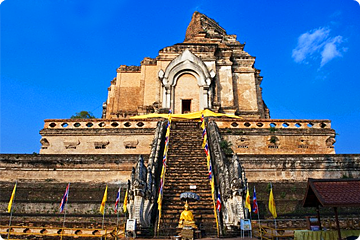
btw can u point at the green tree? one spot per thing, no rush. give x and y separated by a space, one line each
83 114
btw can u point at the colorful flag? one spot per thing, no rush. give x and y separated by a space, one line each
117 200
12 198
247 201
204 141
202 122
255 205
164 158
212 185
102 206
64 199
210 172
272 207
218 202
206 148
125 201
204 132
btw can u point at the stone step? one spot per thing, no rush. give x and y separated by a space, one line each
196 210
186 170
198 181
200 189
186 165
187 175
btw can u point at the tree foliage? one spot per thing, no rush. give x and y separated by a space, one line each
226 147
82 114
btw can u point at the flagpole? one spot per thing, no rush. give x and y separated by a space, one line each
259 224
117 213
102 226
8 236
257 211
67 199
250 211
117 210
11 211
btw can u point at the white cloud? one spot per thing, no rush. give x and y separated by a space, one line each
1 1
308 43
315 44
330 50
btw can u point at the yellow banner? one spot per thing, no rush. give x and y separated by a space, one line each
125 201
12 198
247 201
272 207
102 206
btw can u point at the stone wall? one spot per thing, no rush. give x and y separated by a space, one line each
298 168
97 136
278 136
66 168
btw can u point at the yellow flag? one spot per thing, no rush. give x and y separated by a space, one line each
102 207
203 125
12 198
247 201
204 141
125 201
212 184
272 207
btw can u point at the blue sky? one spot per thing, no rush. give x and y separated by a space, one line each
59 56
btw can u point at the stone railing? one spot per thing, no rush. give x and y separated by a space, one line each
99 123
273 123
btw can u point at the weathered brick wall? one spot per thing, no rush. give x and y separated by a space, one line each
298 168
67 168
42 181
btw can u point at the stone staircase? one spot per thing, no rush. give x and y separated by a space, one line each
186 166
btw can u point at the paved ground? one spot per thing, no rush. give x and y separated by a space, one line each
237 238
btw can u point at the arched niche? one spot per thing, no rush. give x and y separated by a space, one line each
185 63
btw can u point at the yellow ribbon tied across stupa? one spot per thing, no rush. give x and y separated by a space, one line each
194 115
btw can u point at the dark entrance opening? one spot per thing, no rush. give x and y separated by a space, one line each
186 106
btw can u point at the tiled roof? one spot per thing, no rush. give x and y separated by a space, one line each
332 193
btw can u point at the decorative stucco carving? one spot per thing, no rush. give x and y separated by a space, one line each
71 145
330 142
131 142
44 143
101 144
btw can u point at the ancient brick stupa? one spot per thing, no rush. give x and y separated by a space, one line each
209 70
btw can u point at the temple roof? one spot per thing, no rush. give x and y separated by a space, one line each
332 193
